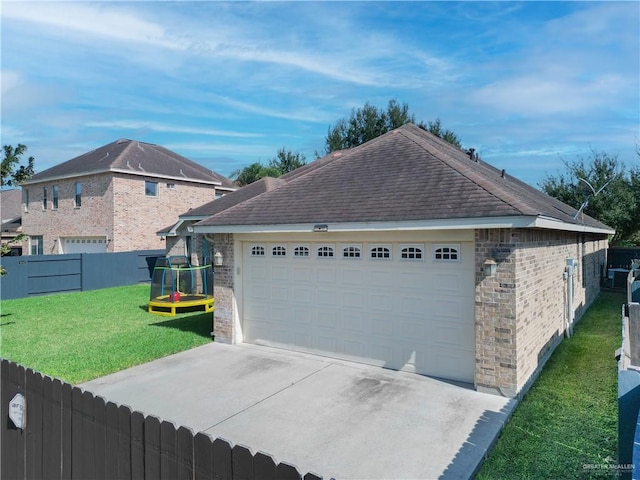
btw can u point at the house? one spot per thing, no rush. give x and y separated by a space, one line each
406 253
10 201
113 198
180 237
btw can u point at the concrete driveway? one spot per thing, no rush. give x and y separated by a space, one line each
334 418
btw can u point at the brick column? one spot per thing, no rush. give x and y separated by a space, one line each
223 315
495 312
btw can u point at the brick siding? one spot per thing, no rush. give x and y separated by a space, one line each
224 314
520 311
114 206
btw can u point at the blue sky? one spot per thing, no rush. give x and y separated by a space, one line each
528 84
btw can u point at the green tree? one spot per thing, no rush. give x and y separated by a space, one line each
435 127
285 161
12 172
603 188
369 122
365 124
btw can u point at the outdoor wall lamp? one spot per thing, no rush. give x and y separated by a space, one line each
218 259
321 228
489 267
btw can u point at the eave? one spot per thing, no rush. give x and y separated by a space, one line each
411 225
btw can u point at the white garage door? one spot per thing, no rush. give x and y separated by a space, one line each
84 245
404 306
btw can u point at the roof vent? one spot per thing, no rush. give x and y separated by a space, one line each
503 172
122 140
140 167
182 173
106 156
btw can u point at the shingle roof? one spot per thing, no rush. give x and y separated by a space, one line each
10 204
407 174
135 157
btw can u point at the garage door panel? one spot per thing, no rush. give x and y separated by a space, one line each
413 315
325 275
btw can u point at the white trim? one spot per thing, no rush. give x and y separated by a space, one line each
440 224
120 170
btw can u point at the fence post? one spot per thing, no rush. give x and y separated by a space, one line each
13 440
33 397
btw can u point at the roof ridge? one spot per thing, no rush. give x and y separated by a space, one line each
469 173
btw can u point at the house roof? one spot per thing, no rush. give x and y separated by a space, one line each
406 175
10 205
133 157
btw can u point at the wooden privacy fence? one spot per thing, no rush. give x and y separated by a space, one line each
72 434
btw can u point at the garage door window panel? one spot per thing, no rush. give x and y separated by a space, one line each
279 251
380 252
410 253
301 251
446 253
352 252
257 250
325 251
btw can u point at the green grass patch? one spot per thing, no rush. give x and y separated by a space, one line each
568 419
80 336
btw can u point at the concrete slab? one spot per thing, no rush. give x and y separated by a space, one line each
338 419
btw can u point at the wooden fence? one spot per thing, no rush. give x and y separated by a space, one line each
72 434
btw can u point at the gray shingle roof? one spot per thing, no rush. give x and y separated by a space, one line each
135 157
407 174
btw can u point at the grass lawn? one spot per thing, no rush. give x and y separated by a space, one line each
81 336
568 419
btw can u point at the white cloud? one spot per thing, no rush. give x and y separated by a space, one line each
159 127
106 20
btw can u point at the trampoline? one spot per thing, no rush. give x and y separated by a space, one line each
177 285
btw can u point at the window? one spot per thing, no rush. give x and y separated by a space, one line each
279 251
151 188
351 251
301 251
446 253
44 198
257 251
54 201
171 186
380 252
325 251
411 252
36 244
78 197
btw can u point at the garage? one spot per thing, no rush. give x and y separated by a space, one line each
404 305
83 244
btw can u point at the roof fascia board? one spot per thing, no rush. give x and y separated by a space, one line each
448 224
117 170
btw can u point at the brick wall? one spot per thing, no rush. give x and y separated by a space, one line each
114 206
224 314
93 218
521 311
137 217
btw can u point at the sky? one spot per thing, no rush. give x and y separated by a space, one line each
529 85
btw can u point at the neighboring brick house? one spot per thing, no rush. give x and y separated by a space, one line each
182 240
406 253
10 201
113 198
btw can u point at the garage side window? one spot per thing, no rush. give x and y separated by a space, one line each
279 251
325 251
446 253
352 251
257 251
380 252
412 252
301 251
